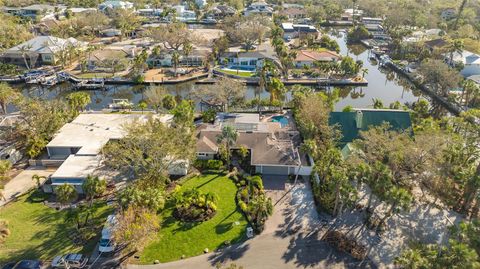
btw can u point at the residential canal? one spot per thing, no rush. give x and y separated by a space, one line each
383 84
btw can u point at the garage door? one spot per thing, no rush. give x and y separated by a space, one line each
275 170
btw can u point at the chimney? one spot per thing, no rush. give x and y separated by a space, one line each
359 119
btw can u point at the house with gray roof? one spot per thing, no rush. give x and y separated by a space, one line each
273 142
40 50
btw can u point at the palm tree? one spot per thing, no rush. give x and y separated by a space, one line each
5 166
7 95
78 100
460 11
38 179
399 199
4 231
469 87
210 199
66 194
260 208
364 72
24 51
187 49
228 138
93 186
2 196
377 103
254 182
456 46
175 61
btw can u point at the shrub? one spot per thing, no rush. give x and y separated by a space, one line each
242 205
297 73
208 164
193 205
214 164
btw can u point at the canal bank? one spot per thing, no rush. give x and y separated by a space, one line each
383 84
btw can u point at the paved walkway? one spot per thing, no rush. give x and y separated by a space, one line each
291 239
23 182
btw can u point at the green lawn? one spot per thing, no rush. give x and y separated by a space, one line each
38 232
240 73
95 75
190 239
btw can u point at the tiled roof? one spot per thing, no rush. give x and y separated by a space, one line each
312 55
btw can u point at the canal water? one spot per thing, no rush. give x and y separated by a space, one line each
382 84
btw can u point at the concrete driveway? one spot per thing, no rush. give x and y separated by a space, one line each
23 182
291 239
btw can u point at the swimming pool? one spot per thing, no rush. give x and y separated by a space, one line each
242 68
280 119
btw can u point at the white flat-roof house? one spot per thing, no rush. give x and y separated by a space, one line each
258 8
79 143
470 61
115 5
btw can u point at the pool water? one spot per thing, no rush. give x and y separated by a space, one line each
242 68
280 119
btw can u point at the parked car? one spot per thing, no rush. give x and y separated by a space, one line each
24 264
72 260
106 245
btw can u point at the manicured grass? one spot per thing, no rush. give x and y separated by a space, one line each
95 75
190 239
240 73
39 232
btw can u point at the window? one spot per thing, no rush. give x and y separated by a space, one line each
244 63
202 154
253 62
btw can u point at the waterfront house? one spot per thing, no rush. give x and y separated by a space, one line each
183 14
294 13
273 142
40 50
80 10
101 60
258 8
77 146
291 30
151 13
249 61
40 11
349 13
113 4
221 11
195 58
351 123
309 57
469 60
